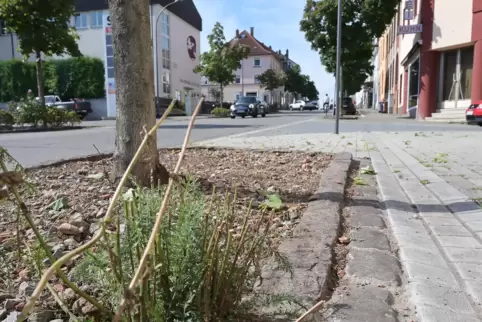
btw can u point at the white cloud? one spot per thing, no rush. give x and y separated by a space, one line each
275 22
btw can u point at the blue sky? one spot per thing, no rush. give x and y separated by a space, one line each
275 22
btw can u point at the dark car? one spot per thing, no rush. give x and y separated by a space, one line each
348 106
247 106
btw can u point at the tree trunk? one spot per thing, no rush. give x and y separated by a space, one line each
221 94
40 78
134 77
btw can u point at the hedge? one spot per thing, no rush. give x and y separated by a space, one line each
81 77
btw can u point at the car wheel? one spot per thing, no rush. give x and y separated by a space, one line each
233 116
301 109
255 115
243 117
291 108
263 115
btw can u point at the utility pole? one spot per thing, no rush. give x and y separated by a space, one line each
338 70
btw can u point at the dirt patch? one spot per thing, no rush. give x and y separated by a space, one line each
84 194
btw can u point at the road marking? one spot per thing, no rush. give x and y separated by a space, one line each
254 132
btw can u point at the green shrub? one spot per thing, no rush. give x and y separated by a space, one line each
6 119
202 265
72 77
220 112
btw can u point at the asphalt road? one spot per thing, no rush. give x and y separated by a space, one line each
32 149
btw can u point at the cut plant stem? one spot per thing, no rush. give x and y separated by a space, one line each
113 203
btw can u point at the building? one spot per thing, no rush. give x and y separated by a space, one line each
439 68
260 59
178 49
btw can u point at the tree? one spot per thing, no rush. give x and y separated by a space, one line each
134 75
42 27
216 93
271 80
294 81
310 90
222 59
363 22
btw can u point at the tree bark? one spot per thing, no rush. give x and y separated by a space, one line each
221 95
134 79
40 77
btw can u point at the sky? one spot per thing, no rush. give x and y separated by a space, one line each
276 23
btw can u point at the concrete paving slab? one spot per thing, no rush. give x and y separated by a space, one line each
415 242
427 257
363 216
441 296
475 291
458 241
369 303
470 271
373 265
459 254
367 237
422 272
437 314
454 230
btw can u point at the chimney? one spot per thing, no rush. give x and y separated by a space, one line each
287 53
237 33
252 31
270 47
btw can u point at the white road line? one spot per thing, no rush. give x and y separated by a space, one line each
254 132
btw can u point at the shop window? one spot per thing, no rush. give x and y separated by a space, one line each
466 65
414 75
450 67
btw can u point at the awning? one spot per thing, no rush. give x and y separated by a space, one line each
412 51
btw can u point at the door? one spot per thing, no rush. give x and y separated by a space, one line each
187 102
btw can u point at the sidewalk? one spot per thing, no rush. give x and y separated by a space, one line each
430 185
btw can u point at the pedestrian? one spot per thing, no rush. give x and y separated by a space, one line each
326 102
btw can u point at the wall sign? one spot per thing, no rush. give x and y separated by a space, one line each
191 47
409 29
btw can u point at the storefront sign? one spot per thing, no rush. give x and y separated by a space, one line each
408 15
409 4
109 67
409 29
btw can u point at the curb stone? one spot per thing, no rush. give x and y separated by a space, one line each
368 291
310 249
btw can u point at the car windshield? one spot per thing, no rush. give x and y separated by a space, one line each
246 100
49 99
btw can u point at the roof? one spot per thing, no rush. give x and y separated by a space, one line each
186 9
257 47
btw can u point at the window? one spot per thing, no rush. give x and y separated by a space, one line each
256 80
166 82
96 19
257 62
238 79
450 67
414 75
466 65
166 50
82 21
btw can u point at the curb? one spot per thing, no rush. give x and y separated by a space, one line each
310 249
36 130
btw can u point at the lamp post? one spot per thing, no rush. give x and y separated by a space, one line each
338 69
156 63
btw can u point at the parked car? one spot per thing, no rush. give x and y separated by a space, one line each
348 106
473 114
247 106
302 105
81 107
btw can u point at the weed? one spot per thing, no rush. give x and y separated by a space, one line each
440 158
407 143
359 181
349 143
424 182
367 170
396 171
204 262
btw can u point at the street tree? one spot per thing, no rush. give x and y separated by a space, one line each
42 28
134 76
310 91
215 93
294 81
363 21
271 80
222 60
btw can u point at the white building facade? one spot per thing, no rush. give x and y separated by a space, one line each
178 48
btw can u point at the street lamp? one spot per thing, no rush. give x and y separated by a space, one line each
156 63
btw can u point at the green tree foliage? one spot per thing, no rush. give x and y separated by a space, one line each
271 80
300 85
222 59
81 77
42 27
363 21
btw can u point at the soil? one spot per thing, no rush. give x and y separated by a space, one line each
86 191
